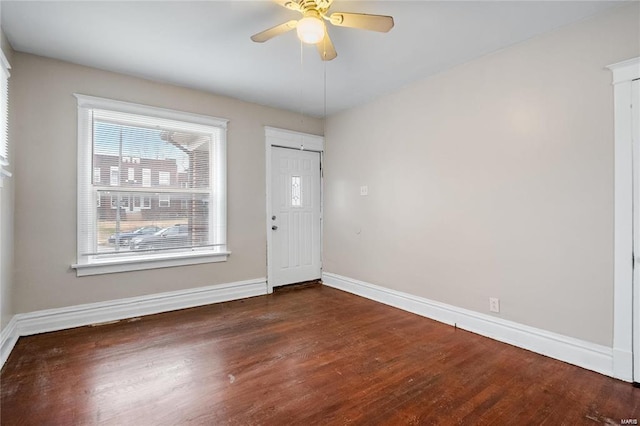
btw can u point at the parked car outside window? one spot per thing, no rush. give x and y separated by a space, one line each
125 237
175 236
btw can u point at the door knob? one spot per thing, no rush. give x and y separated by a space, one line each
274 227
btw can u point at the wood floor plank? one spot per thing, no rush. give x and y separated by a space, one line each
308 355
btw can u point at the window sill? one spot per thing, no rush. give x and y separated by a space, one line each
140 264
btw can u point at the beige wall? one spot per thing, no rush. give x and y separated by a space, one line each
44 120
6 221
494 179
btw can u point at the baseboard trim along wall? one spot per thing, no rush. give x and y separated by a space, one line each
80 315
8 339
573 351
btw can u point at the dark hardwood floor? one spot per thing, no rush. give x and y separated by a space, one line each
311 355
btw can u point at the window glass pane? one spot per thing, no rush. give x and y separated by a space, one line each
296 196
121 229
164 158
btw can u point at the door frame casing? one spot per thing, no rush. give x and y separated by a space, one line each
623 74
282 138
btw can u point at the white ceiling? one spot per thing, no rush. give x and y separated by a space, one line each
205 44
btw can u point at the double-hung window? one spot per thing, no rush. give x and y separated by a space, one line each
128 223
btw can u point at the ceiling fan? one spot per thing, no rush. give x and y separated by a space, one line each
312 30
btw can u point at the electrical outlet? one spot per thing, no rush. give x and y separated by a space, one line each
364 190
494 304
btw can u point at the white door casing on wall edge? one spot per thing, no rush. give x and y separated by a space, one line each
294 206
623 75
635 135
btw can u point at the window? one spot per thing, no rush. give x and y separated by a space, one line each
4 117
187 153
296 197
114 176
96 175
164 200
164 178
146 178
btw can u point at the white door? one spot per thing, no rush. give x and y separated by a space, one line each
295 216
635 122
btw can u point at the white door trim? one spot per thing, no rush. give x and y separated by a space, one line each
623 74
275 137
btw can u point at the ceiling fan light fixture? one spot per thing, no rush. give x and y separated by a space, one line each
310 30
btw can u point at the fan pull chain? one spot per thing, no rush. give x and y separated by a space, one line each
301 84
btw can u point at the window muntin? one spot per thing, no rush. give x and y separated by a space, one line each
177 160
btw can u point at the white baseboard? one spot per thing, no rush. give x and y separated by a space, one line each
79 315
8 338
568 349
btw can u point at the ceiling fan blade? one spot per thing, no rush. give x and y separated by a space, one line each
325 47
362 21
275 31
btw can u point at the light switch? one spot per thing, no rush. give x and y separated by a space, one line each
364 190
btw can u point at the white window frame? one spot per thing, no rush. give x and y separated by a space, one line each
96 175
89 264
131 174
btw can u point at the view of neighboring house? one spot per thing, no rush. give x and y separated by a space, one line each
136 172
